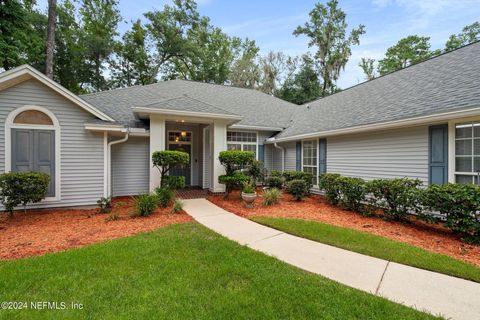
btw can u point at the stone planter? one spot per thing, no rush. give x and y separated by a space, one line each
249 198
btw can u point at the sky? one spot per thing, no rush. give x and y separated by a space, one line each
271 23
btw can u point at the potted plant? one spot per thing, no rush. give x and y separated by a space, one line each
248 194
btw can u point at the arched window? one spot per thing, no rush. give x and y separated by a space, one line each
33 117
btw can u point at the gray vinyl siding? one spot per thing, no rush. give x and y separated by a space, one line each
268 162
130 167
290 156
382 154
82 152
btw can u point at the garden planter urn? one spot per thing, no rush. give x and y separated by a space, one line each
249 198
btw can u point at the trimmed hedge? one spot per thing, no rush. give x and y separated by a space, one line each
22 188
456 206
173 182
298 188
235 180
274 182
234 160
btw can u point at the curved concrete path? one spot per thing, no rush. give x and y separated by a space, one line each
428 291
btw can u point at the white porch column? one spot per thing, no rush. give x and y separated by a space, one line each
219 132
157 143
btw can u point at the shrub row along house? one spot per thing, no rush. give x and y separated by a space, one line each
420 122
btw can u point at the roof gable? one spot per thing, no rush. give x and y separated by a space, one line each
20 74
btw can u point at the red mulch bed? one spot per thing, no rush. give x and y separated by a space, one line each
429 237
49 230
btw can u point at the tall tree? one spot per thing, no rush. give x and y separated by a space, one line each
245 71
275 69
368 68
469 34
407 51
13 33
305 85
134 63
327 30
168 30
98 30
52 19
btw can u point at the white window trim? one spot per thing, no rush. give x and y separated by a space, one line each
190 143
318 162
9 124
451 148
247 143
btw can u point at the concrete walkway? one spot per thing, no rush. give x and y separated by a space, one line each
428 291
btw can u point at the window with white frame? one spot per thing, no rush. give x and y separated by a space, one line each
310 159
240 140
467 152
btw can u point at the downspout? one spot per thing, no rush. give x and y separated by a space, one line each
283 155
109 162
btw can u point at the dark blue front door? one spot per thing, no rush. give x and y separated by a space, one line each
185 170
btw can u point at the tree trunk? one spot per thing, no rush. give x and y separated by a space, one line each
52 17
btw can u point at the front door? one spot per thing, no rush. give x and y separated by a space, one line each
185 171
34 150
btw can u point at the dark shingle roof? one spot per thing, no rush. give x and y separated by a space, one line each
448 82
185 103
257 108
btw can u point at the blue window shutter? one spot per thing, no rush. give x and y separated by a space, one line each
322 161
298 158
261 152
438 154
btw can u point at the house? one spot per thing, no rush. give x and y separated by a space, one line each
420 122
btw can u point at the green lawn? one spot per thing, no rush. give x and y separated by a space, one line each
374 246
182 272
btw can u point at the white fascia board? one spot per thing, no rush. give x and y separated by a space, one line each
384 125
28 70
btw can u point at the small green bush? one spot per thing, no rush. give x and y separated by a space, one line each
352 192
22 188
276 173
177 206
236 180
164 196
460 206
297 188
274 182
271 196
234 160
399 196
105 204
248 188
145 204
299 175
329 183
173 182
167 159
256 171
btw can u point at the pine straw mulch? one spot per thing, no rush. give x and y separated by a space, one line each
37 232
434 238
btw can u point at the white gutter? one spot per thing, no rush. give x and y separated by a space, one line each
258 128
384 125
283 155
109 162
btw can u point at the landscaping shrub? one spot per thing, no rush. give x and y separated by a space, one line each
271 196
298 189
173 182
168 159
329 182
145 204
235 160
460 205
22 188
177 206
352 192
113 216
248 187
274 182
256 171
299 175
398 196
276 173
105 204
164 196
